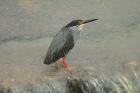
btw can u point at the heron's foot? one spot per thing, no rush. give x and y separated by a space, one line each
71 71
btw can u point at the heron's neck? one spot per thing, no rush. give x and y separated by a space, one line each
76 28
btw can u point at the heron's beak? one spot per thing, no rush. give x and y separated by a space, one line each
87 21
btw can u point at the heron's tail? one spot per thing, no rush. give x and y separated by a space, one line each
47 61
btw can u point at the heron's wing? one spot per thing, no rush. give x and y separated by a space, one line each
60 46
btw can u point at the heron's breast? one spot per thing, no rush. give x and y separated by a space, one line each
76 35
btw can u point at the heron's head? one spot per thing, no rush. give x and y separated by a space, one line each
78 23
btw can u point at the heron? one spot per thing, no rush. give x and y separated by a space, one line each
64 41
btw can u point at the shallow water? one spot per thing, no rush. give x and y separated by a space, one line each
22 61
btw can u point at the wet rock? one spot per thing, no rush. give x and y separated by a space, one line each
5 90
74 85
1 89
56 86
41 88
22 89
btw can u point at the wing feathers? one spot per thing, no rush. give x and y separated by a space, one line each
60 46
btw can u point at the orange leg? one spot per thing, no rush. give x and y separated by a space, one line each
66 66
65 63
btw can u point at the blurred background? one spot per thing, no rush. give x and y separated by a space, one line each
110 45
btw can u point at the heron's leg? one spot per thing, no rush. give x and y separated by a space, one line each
66 66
